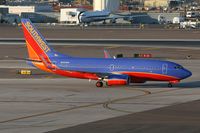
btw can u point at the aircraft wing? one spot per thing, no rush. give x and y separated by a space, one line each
131 15
109 76
25 59
128 17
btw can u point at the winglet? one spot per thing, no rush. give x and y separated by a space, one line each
107 54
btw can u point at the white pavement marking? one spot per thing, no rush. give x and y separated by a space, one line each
14 64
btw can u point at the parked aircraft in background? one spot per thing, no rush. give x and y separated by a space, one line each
113 71
87 17
93 16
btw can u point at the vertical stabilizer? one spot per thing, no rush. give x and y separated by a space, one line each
36 44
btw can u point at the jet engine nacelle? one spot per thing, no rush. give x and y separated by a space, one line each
80 16
137 80
117 80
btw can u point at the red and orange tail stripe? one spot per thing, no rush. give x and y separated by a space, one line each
37 46
32 54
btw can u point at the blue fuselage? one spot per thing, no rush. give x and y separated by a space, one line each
121 65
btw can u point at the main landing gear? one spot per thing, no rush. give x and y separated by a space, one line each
99 84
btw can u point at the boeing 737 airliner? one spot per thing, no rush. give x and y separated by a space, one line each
112 71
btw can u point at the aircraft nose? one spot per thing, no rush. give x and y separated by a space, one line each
187 73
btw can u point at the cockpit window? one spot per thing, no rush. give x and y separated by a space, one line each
178 67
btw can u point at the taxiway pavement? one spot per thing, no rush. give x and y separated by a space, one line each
163 120
79 33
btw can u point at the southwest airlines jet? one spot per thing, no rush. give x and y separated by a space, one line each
112 71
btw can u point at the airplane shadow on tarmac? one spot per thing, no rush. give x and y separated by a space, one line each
191 84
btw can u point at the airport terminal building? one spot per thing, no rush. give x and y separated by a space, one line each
110 5
37 13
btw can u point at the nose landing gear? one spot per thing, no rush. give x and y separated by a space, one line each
99 84
170 85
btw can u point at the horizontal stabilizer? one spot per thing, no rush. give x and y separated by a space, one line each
25 59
